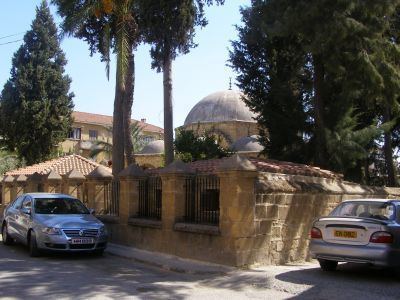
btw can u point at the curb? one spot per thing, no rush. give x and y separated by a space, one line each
168 262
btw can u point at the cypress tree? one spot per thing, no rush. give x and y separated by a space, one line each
36 105
169 27
347 67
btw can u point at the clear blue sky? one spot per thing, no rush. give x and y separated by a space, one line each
195 75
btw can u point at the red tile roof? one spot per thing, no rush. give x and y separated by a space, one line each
267 165
83 117
61 165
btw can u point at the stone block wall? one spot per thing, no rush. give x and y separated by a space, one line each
286 206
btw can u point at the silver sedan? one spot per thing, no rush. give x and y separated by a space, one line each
358 231
55 222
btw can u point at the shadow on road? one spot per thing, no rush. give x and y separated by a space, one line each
349 281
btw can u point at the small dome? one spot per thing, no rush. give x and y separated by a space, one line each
220 106
248 144
155 147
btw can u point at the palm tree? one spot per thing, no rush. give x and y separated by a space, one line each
108 25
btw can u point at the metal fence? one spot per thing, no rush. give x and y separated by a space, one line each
150 198
111 198
202 199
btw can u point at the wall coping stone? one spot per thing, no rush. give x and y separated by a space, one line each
236 163
100 172
287 183
176 167
9 179
22 178
54 175
74 174
197 228
142 222
133 170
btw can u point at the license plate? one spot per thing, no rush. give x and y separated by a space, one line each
82 241
345 234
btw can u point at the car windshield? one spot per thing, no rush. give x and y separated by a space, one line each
375 210
59 206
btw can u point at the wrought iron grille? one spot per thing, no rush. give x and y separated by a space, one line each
111 198
150 198
202 200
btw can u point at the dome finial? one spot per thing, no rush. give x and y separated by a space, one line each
230 83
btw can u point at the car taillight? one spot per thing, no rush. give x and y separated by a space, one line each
381 237
316 233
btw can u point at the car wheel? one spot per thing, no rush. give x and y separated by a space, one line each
33 249
7 240
328 265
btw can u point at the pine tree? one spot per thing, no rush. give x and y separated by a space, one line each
36 105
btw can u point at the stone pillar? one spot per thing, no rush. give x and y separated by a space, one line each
53 182
21 184
35 183
96 182
129 192
74 184
173 193
237 207
8 190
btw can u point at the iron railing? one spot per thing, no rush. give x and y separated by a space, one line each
202 200
111 198
150 198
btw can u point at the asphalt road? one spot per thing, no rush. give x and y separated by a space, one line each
111 277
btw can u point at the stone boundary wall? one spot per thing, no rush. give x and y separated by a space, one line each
286 206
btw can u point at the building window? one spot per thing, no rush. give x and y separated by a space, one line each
93 134
75 134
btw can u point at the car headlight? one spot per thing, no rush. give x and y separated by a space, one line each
51 231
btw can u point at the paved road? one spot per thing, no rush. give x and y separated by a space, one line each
111 277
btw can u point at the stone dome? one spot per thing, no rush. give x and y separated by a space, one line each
248 144
220 106
154 147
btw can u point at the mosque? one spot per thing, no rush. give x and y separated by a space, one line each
223 114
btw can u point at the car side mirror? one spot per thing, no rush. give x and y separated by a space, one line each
92 211
26 211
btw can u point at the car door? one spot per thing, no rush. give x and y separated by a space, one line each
12 216
25 217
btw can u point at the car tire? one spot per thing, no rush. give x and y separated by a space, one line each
328 265
33 248
7 240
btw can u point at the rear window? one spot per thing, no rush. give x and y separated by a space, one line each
374 210
59 206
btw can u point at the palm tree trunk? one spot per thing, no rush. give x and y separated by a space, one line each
319 74
388 151
118 126
168 112
130 85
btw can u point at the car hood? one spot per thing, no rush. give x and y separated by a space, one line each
68 221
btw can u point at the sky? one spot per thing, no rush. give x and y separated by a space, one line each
195 75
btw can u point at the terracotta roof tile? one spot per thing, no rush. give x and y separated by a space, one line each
61 165
83 117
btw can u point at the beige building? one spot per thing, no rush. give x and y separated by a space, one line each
88 129
225 115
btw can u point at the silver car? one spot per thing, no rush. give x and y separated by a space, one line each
55 222
358 231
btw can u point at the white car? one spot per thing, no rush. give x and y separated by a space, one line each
53 222
358 231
